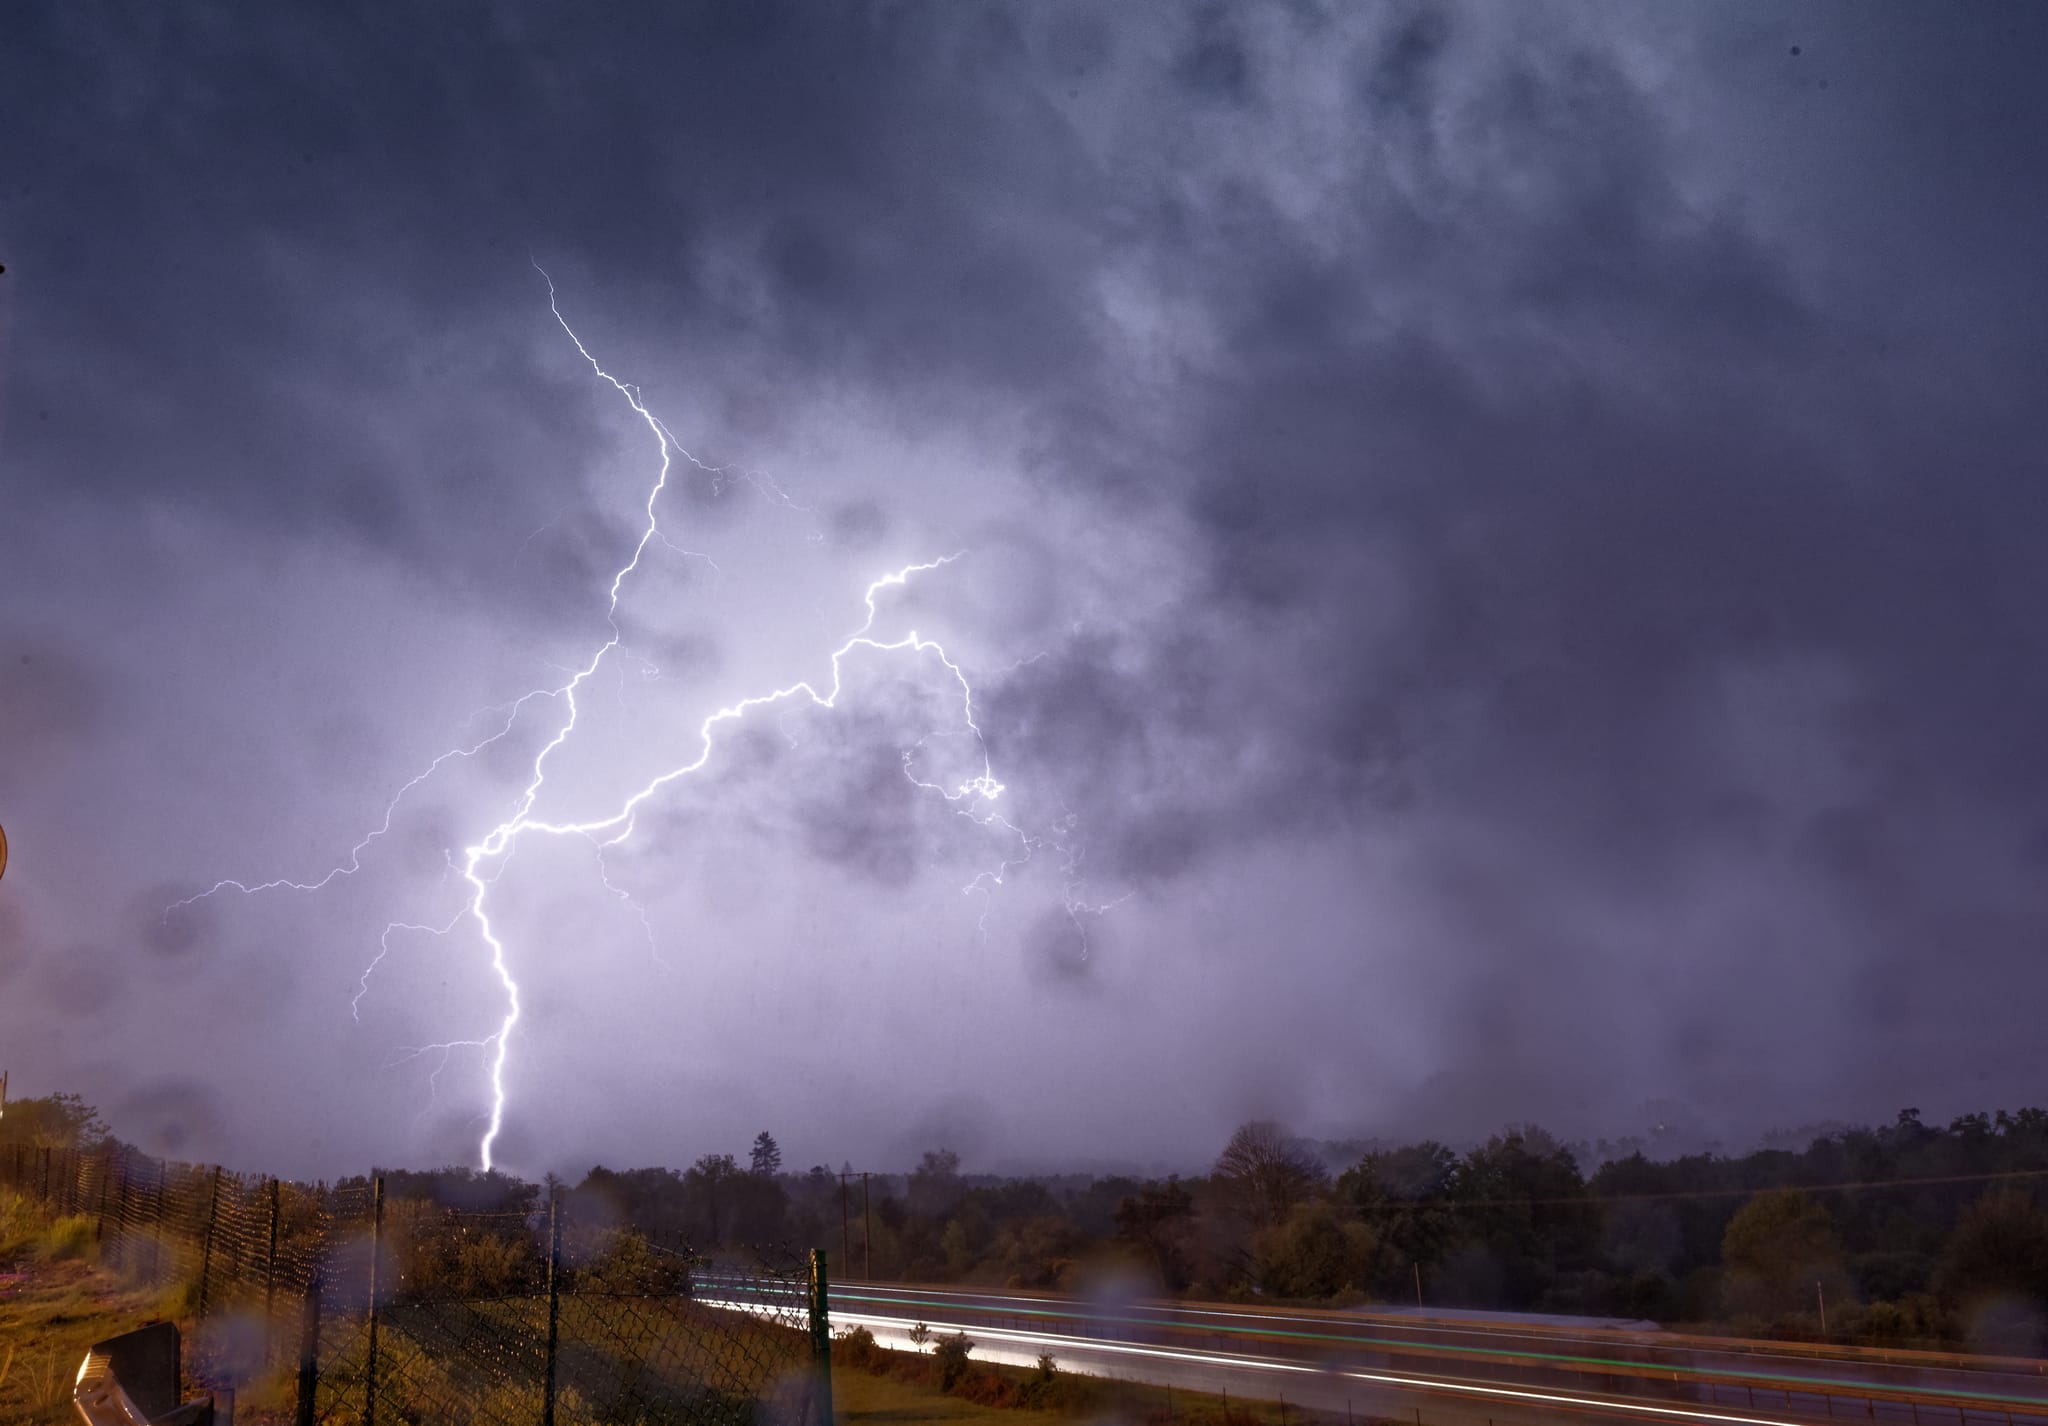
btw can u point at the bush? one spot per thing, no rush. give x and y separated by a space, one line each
630 1266
487 1265
856 1347
951 1355
20 1225
67 1238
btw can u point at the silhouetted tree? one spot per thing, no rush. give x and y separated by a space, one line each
1403 1196
707 1190
1999 1248
1157 1221
1267 1171
767 1155
1525 1229
934 1184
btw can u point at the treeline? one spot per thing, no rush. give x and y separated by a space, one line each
1909 1233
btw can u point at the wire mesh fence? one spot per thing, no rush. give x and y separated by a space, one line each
362 1305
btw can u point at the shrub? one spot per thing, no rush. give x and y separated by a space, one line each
487 1265
630 1266
951 1355
20 1225
856 1347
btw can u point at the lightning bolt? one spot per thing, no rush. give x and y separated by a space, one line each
482 861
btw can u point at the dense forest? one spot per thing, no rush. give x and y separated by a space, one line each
1908 1233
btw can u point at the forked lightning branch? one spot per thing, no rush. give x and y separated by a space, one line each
483 860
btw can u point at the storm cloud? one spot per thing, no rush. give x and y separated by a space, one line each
1500 567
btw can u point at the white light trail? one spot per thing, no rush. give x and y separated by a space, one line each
1023 1345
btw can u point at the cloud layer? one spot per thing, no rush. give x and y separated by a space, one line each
1506 541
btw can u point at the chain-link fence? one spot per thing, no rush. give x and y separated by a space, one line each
375 1306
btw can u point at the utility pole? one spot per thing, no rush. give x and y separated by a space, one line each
1821 1293
867 1231
845 1232
1418 1284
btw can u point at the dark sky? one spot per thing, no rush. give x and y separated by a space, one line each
1504 571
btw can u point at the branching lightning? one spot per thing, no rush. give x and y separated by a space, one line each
482 861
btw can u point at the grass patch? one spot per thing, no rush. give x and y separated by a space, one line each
877 1385
67 1238
861 1398
50 1312
54 1303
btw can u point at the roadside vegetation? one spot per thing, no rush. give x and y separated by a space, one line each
1909 1234
55 1301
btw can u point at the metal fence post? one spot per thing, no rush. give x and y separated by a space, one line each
156 1256
376 1251
117 1164
206 1243
547 1405
821 1337
99 1227
309 1349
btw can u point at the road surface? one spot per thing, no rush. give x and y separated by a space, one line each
1446 1371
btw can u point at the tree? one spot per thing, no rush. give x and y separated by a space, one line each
1036 1251
934 1185
1776 1249
1267 1171
59 1121
1403 1196
1526 1234
707 1190
1999 1249
1315 1253
767 1156
1157 1220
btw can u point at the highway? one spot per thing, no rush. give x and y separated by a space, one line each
1446 1371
